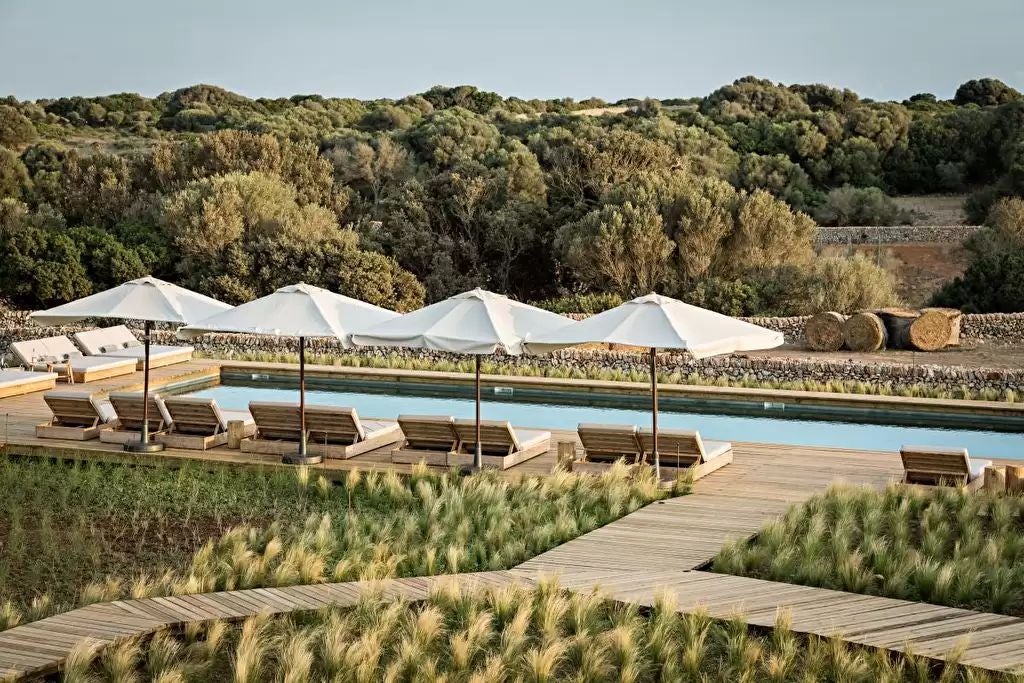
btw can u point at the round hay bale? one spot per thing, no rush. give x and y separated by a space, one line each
955 317
864 331
897 323
931 331
824 331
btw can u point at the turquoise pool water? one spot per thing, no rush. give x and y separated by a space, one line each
568 414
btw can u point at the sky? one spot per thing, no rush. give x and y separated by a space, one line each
885 49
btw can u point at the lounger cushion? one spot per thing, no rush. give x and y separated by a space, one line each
978 467
13 377
31 351
232 415
531 437
156 351
106 339
713 449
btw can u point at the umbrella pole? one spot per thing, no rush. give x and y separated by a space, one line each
478 460
144 445
302 457
654 412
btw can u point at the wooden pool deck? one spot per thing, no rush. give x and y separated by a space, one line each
662 547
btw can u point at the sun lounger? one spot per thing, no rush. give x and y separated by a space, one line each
58 354
336 432
608 443
77 415
119 342
428 438
501 446
15 382
331 431
684 449
128 406
935 466
200 424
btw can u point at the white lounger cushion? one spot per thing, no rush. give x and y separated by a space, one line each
119 342
978 467
231 415
34 352
530 437
713 449
13 377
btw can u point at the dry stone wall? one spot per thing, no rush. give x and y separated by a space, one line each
1003 328
895 234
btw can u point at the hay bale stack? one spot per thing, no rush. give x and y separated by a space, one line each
930 331
954 315
824 331
864 331
897 323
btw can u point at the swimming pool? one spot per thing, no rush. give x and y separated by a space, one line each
565 411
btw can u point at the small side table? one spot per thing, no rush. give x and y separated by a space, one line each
69 376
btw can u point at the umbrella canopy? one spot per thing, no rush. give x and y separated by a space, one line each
295 311
660 322
144 299
474 322
147 299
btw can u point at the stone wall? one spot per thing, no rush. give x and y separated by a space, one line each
896 234
992 327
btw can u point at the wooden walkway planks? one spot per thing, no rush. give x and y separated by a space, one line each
980 639
42 646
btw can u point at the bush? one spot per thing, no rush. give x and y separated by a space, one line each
15 127
992 283
589 304
729 297
860 206
830 284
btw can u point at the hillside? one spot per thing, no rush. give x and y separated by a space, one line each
713 199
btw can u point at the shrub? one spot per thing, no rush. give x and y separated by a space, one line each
589 304
860 206
730 297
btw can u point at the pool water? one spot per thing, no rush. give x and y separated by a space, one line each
802 432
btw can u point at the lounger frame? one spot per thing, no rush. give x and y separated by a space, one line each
681 452
501 447
78 407
430 439
926 466
129 418
45 382
328 428
196 424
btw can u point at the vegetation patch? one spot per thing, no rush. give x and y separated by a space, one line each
499 634
524 368
75 534
942 545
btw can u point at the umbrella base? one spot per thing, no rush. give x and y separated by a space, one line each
307 459
139 447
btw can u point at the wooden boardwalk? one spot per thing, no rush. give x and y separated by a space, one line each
42 646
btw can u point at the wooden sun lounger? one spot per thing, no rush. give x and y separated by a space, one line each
15 382
501 445
58 354
336 432
608 443
128 406
933 466
200 424
428 438
119 342
331 431
681 449
77 416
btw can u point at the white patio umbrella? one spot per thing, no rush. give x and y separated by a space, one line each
476 322
147 299
301 311
660 322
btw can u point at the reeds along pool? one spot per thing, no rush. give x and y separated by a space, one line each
762 421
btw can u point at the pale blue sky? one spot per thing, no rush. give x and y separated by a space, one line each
886 49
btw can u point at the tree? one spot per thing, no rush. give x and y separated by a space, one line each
860 206
985 92
621 248
14 180
15 128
